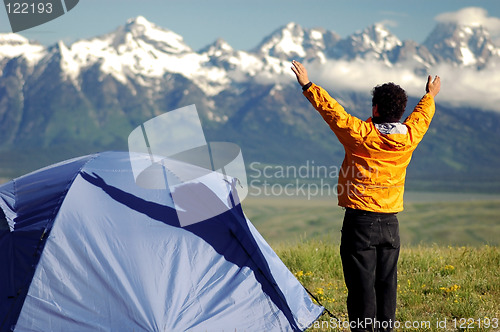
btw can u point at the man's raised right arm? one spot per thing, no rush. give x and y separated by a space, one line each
342 123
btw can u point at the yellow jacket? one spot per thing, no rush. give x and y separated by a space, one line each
373 172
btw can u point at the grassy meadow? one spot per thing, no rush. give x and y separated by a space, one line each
428 218
449 267
439 288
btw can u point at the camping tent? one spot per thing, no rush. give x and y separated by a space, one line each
84 248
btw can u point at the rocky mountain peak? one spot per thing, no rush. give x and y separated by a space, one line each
218 48
468 45
13 45
138 31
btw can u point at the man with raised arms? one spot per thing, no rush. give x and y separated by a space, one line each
370 188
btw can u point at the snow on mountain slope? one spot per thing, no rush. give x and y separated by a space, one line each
287 42
138 48
373 43
465 45
294 42
13 45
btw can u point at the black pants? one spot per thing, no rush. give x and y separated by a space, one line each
369 250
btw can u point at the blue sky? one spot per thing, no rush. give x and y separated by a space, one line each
243 24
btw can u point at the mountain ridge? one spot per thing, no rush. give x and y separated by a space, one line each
63 100
144 48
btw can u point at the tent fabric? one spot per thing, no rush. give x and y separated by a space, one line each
89 250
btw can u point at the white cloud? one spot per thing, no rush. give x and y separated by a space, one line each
360 76
460 87
388 23
470 87
474 16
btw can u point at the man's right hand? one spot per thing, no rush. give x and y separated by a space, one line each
433 86
301 72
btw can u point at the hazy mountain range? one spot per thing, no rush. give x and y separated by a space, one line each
69 100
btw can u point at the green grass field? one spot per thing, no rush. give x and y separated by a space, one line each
439 288
449 267
440 219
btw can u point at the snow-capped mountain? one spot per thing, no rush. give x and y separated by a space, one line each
412 55
462 45
13 45
143 52
294 42
373 43
139 49
89 95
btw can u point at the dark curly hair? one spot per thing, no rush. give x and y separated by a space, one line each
391 100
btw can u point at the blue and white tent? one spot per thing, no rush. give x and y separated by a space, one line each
84 248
